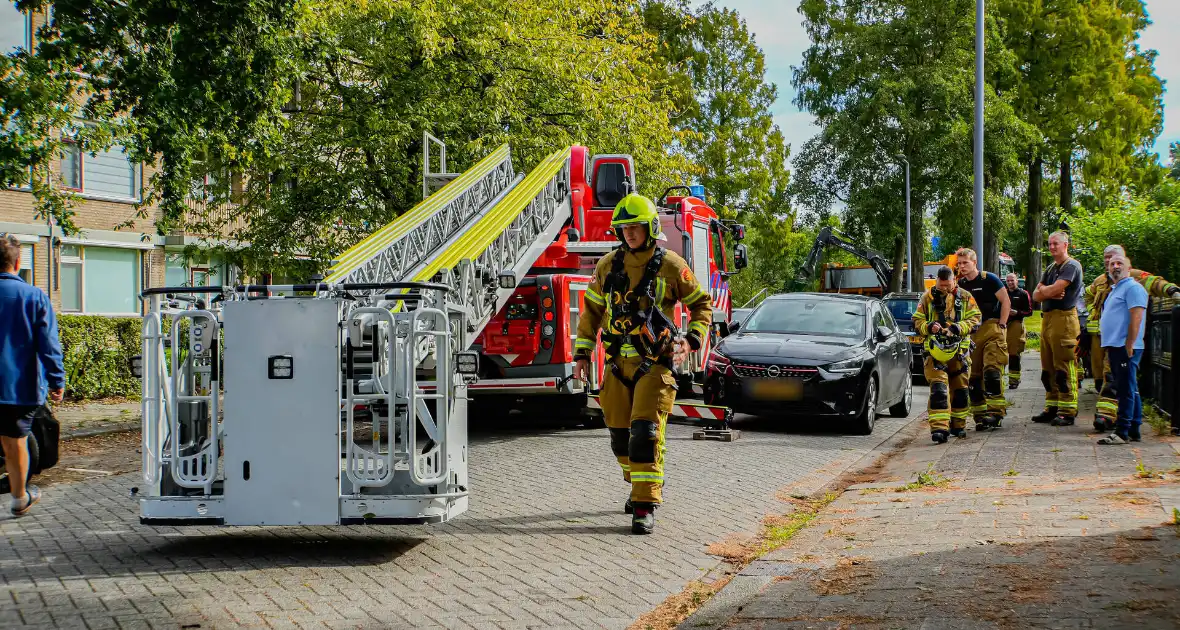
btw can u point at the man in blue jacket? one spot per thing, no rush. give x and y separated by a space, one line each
30 365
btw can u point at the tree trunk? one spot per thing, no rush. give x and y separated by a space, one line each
895 282
1036 238
1066 183
917 244
990 260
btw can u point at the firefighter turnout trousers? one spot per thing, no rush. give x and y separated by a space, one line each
948 406
1016 341
1107 411
1059 364
636 419
988 359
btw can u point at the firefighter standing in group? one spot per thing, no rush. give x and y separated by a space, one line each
631 298
1095 297
1021 304
1058 293
989 355
945 317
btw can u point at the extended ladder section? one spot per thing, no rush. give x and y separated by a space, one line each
387 331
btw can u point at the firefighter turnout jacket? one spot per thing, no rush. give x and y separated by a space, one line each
949 405
673 282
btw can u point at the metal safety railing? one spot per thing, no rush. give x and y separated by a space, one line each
1159 378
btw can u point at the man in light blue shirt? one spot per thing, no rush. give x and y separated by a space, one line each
1121 331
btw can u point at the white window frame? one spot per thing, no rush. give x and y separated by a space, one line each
80 260
32 266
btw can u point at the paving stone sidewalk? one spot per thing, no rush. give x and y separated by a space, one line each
1034 527
92 418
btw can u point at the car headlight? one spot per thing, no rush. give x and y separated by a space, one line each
847 366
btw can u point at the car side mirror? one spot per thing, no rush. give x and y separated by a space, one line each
883 333
734 326
740 257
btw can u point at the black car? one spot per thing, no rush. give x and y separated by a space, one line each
902 307
814 354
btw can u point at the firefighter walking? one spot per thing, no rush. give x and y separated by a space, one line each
631 298
1058 293
945 318
1106 411
1021 304
989 354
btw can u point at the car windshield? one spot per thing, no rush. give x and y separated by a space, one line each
841 318
902 309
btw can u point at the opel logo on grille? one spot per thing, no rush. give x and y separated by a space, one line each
772 371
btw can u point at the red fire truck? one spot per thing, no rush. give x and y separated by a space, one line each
527 350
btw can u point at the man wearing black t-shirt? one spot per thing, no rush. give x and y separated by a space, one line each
1021 308
1058 293
989 355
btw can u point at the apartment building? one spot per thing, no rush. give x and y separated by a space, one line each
102 270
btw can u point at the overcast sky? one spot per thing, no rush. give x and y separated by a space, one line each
777 27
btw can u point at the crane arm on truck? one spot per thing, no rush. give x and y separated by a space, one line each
828 237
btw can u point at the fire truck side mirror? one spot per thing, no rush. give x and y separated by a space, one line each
740 258
739 231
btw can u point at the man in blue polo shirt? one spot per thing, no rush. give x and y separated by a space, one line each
30 364
1121 330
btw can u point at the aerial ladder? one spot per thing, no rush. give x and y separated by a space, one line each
829 237
250 398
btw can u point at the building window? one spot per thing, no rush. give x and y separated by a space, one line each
15 28
71 167
26 271
111 173
71 278
100 280
108 174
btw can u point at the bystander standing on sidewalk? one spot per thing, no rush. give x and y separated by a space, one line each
1122 329
30 366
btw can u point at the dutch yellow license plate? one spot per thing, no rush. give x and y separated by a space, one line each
777 389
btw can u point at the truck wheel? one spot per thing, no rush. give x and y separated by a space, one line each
34 465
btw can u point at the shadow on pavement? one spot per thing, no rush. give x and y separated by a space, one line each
1128 579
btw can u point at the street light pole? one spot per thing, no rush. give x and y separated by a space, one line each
979 13
909 250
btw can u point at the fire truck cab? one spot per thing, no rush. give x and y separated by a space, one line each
527 349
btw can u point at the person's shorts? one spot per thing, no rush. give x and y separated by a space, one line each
16 421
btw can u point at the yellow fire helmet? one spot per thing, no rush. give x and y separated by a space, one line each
943 348
637 209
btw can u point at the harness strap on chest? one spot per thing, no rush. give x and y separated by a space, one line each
630 312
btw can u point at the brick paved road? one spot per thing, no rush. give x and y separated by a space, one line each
524 556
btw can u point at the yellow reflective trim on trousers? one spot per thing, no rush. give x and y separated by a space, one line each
646 476
939 415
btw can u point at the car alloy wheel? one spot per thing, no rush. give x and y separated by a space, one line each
868 418
902 409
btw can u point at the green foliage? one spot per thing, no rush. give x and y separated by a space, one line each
1150 233
893 79
375 76
169 81
97 354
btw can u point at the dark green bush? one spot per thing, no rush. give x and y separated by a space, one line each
97 353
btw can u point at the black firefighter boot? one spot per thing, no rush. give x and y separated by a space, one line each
643 521
627 507
1046 416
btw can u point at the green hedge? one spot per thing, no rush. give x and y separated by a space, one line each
98 352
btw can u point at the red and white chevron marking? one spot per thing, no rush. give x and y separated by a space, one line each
684 410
